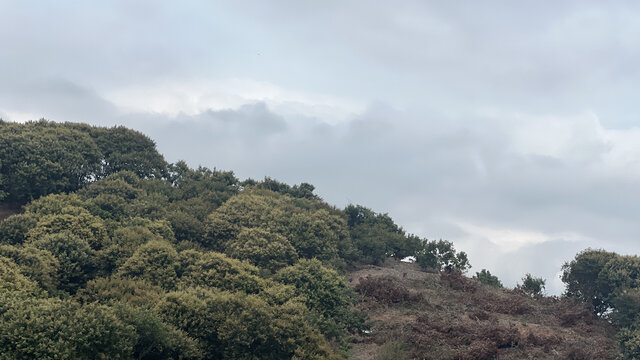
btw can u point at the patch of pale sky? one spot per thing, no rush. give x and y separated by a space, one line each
194 97
511 239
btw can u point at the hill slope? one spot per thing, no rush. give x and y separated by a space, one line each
125 256
421 315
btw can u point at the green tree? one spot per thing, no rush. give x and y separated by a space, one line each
583 279
218 271
75 256
156 339
156 262
63 329
39 158
39 265
532 285
76 221
263 249
441 255
240 326
485 277
126 149
13 230
12 280
376 236
110 290
327 295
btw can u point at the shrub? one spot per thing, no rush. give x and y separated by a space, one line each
13 230
385 291
218 271
485 277
457 281
327 295
155 262
441 255
75 256
263 249
584 281
532 286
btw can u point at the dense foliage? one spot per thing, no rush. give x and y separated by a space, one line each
485 277
117 255
610 284
42 157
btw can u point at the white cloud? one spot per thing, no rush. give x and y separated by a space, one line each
194 97
18 116
510 239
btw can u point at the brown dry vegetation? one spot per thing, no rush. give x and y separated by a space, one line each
420 315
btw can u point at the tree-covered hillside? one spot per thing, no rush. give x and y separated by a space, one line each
109 252
118 255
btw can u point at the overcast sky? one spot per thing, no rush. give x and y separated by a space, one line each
510 128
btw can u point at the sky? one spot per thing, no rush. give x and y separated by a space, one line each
509 128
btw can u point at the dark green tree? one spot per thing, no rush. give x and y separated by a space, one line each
441 255
583 279
485 277
533 286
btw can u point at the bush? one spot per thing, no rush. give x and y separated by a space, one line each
385 291
263 249
441 255
327 294
13 230
76 258
155 262
485 277
38 265
63 329
584 280
532 286
241 326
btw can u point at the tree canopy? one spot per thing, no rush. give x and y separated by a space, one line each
117 254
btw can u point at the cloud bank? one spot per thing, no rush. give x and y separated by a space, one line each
510 129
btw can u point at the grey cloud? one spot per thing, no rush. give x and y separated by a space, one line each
442 143
56 99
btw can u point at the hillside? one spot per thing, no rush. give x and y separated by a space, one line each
421 315
123 255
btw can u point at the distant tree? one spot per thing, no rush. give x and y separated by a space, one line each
126 149
626 308
485 277
213 186
186 227
629 340
532 285
13 281
156 339
314 233
441 255
110 290
586 281
76 221
39 158
376 237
